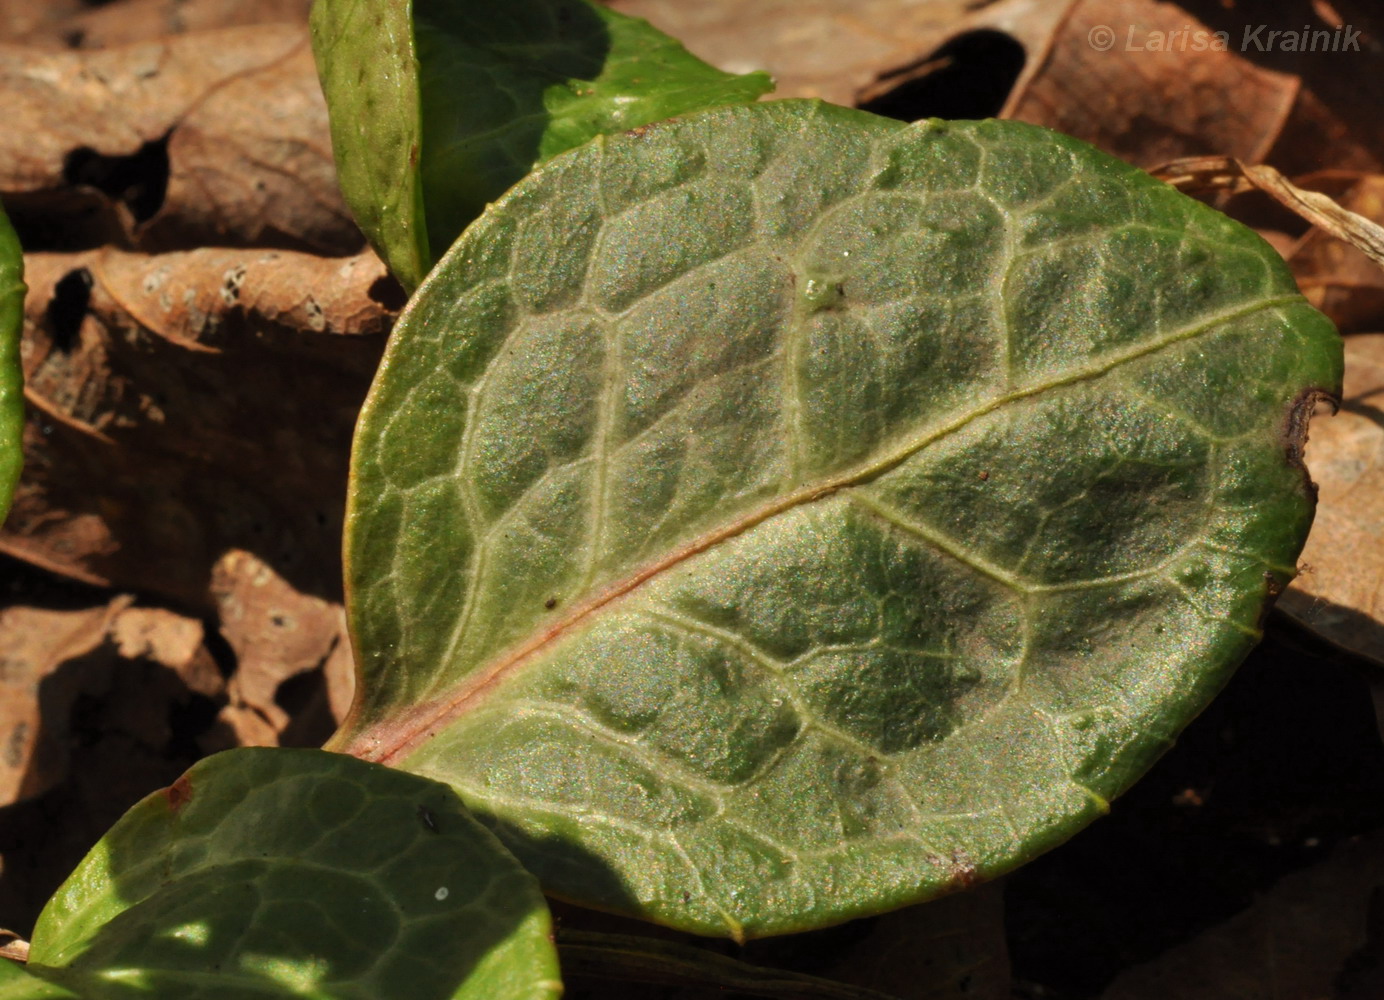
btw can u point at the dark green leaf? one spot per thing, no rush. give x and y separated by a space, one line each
787 514
298 873
437 110
11 375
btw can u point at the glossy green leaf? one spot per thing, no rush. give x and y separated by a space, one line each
11 375
439 106
787 514
298 873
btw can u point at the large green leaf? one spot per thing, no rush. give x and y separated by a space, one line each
19 983
11 375
439 106
297 873
787 513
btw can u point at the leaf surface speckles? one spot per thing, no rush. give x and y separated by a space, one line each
786 514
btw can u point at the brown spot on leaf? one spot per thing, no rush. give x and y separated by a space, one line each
178 794
960 870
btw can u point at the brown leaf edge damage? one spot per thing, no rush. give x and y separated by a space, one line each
1294 437
178 794
1295 425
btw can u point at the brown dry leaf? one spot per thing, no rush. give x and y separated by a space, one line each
182 405
1258 101
215 137
23 19
252 165
1144 106
54 657
277 634
169 639
813 48
1340 591
1299 941
126 21
1090 74
100 701
1335 122
46 661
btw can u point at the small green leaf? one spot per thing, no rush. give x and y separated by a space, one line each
298 873
787 514
11 374
438 108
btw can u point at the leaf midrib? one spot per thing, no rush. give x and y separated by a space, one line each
388 742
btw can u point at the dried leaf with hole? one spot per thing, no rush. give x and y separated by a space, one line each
185 404
210 137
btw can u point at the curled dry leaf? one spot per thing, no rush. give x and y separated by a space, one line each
1340 593
1083 75
210 137
883 54
1131 77
185 404
252 165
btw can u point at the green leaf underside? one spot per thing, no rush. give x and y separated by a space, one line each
488 93
787 514
297 873
11 374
